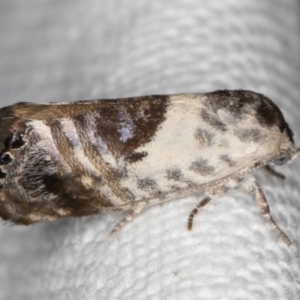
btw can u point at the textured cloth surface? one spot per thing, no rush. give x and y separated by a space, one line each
72 50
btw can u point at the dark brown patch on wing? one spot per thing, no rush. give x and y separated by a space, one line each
131 123
240 102
77 199
136 156
139 116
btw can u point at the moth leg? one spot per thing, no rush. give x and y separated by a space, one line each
126 220
265 211
201 204
274 173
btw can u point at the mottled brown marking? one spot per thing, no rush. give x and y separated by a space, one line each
75 198
212 120
249 135
223 143
204 137
43 178
202 167
136 156
139 117
148 184
241 102
174 174
75 186
70 195
95 152
228 160
146 113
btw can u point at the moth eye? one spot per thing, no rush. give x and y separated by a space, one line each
284 158
5 159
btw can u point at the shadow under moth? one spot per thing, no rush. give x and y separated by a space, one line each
81 158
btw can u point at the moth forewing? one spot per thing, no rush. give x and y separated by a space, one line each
74 159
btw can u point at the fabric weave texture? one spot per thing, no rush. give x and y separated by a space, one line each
74 50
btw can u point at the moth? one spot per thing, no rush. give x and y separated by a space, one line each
82 158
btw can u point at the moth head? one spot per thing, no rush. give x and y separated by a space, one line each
287 151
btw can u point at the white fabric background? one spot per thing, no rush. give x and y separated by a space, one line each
72 50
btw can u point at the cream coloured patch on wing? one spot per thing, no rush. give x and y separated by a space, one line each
174 146
200 157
